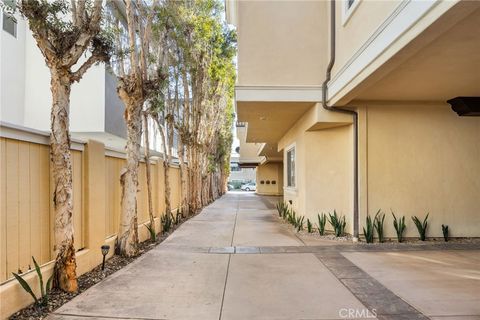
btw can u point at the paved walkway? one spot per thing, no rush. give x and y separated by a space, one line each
236 261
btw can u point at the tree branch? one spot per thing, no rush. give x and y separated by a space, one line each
93 59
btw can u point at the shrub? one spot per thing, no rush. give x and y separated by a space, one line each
378 223
322 220
338 223
399 225
445 232
167 222
309 226
43 290
421 226
368 233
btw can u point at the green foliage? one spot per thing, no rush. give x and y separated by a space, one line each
338 223
445 232
421 226
368 233
299 223
378 223
281 208
399 225
151 231
322 220
309 226
167 221
44 291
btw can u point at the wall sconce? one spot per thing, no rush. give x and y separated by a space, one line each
105 248
466 106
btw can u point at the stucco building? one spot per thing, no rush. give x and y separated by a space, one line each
354 95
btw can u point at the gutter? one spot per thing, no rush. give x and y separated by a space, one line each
347 111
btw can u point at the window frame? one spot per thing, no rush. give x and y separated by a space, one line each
347 11
291 183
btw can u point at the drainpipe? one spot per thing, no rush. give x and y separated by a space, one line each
347 111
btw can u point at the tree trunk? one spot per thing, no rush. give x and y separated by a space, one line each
183 178
166 170
149 180
65 276
128 239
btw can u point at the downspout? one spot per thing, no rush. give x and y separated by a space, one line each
347 111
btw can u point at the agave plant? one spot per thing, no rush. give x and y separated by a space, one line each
322 220
44 291
281 208
309 226
421 226
338 223
167 222
399 225
378 223
151 231
445 232
368 233
299 223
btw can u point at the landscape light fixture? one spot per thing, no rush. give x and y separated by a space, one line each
105 248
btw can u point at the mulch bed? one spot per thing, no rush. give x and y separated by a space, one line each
57 298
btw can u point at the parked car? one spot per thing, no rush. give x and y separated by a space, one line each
230 187
249 187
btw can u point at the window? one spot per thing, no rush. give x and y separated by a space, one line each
348 7
291 167
9 22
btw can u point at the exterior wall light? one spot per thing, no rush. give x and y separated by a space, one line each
105 248
466 106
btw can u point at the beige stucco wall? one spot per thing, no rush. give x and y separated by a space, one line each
282 42
363 22
324 166
272 171
423 158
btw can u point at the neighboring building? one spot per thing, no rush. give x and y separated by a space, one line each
396 64
266 160
96 111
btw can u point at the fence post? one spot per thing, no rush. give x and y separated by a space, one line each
95 206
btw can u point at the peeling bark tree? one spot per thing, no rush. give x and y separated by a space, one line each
153 234
62 42
136 84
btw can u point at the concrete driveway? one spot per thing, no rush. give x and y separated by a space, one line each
235 260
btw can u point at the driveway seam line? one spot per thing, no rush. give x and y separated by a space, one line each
103 317
367 300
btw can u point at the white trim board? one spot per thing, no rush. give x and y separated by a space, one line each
278 93
406 15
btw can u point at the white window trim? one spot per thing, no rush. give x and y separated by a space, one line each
348 12
287 149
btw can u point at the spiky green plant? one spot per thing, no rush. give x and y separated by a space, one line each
421 226
299 223
44 291
368 233
281 208
378 223
167 222
322 220
338 223
151 231
445 232
309 226
399 225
